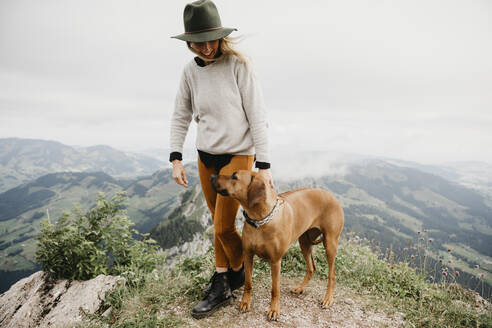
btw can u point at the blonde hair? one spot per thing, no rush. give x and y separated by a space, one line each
227 49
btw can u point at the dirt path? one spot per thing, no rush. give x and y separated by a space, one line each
296 311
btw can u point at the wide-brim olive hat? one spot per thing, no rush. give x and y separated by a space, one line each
202 23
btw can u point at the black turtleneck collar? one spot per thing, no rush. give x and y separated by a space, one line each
200 62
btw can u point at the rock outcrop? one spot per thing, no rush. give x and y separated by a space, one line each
38 301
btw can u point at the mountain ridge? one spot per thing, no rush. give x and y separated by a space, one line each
22 160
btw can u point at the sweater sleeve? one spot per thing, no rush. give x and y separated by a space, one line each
181 117
254 108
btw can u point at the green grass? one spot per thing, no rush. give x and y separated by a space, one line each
424 304
357 265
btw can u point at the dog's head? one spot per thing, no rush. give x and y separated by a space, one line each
248 187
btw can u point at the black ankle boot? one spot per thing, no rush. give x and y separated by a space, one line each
218 294
236 279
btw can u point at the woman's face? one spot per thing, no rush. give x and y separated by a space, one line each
207 49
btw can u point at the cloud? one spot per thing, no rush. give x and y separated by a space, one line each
396 78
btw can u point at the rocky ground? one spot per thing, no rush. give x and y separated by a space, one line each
37 301
349 310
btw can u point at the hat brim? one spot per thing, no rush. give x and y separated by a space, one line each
206 35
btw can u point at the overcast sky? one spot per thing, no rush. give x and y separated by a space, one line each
404 79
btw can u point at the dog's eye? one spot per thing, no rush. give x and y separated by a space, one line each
234 177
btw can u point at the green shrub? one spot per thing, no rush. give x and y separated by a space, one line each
100 241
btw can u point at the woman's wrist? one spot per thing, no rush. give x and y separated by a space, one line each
175 155
262 165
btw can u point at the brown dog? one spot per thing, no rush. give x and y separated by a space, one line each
275 222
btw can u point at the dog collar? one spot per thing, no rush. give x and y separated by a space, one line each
258 223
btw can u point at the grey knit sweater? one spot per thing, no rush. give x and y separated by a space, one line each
226 102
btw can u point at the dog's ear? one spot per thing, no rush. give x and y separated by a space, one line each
256 191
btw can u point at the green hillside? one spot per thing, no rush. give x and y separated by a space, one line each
22 208
190 217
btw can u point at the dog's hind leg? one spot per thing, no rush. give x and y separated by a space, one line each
330 244
307 252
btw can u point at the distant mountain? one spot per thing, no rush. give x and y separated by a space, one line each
474 175
23 160
152 197
304 163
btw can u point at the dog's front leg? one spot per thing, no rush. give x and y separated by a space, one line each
248 277
274 306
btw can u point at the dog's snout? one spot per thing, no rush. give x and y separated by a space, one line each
216 186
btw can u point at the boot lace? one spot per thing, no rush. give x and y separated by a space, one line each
211 284
216 288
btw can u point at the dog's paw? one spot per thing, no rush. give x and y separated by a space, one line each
273 314
327 302
298 290
245 306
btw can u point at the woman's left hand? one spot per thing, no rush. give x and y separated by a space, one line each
267 174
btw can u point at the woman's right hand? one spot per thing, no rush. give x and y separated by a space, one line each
179 174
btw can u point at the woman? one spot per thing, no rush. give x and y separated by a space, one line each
219 90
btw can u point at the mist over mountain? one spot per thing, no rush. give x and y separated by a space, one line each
288 164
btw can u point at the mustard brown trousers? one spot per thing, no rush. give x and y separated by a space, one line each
227 241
